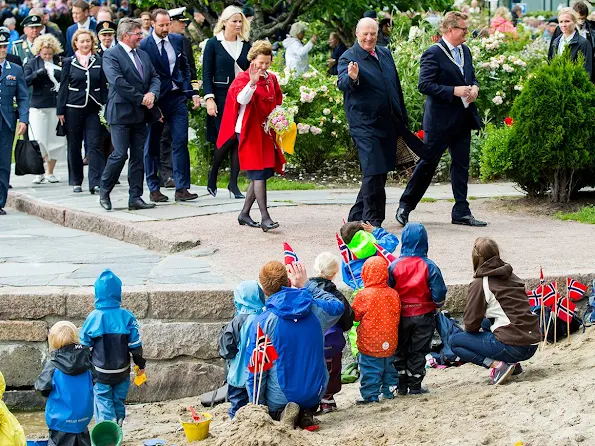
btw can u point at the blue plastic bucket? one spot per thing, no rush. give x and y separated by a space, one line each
37 442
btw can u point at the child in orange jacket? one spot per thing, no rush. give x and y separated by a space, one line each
378 309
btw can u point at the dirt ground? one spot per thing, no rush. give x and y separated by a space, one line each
551 403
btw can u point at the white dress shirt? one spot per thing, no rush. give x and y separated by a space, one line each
564 42
86 24
129 52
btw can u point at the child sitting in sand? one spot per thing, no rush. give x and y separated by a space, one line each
326 267
11 432
67 382
113 333
249 302
378 308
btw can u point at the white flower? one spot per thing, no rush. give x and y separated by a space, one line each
497 100
326 111
323 88
518 87
303 128
507 68
315 130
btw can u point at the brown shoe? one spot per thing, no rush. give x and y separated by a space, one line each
169 184
158 197
184 195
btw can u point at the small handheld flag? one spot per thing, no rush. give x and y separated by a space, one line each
346 253
566 310
289 254
541 278
534 297
264 353
385 254
576 290
550 295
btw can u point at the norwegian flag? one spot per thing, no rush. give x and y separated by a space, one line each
289 254
385 254
576 290
541 278
346 253
566 310
550 295
534 297
263 351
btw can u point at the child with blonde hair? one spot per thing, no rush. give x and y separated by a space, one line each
326 267
67 382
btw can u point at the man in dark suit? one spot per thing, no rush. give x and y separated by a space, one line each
45 28
447 78
81 18
373 99
133 91
167 54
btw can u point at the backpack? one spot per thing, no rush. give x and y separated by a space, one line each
446 326
561 327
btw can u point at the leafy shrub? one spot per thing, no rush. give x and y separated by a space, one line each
495 156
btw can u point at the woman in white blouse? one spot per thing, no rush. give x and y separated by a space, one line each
225 56
296 53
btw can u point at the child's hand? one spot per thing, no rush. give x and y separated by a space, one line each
297 274
368 227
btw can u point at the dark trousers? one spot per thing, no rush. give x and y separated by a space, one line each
459 145
483 348
6 140
370 204
175 113
238 397
65 439
131 136
80 123
333 365
165 167
415 336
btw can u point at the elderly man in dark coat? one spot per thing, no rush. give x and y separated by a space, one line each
376 115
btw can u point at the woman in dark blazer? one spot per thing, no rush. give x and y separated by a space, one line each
83 90
571 38
42 73
225 56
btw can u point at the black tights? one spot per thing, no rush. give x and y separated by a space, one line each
230 147
257 191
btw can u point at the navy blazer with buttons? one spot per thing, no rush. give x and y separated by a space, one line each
180 76
43 94
438 76
218 70
80 85
70 33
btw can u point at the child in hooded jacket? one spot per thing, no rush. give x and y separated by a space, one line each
113 334
249 303
326 267
422 290
11 432
378 309
67 383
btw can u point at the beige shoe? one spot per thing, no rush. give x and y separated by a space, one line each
290 414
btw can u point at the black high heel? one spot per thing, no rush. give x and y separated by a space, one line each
269 227
212 185
244 222
211 191
235 193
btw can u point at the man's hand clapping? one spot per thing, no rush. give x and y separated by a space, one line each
353 70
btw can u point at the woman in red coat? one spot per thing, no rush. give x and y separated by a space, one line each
251 98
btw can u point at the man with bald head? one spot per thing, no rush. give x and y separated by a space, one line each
373 103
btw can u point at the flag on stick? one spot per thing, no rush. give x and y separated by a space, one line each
264 353
534 297
385 254
566 310
550 295
346 253
576 290
289 254
541 278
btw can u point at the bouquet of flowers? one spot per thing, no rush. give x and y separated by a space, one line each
281 122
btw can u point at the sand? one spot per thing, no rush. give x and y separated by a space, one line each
551 403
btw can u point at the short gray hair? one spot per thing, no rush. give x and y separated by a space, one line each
296 29
127 26
10 21
361 22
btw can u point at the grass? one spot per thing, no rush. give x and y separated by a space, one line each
584 215
428 200
274 183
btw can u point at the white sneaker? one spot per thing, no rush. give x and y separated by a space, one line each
38 179
52 178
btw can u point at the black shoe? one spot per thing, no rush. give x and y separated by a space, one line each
270 226
2 211
212 185
418 390
235 193
402 216
77 189
105 202
468 220
517 369
247 222
94 190
402 387
139 204
169 184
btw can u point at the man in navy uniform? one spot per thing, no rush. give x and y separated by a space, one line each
12 87
106 34
22 48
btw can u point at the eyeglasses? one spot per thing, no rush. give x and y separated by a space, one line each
137 34
464 29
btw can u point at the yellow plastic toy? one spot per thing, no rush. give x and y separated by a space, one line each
139 379
197 430
11 432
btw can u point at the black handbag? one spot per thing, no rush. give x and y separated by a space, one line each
60 129
27 157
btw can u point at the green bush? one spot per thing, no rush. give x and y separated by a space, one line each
551 145
495 157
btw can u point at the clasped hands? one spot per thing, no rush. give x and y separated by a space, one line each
148 100
469 92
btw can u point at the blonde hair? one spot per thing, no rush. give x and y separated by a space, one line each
226 15
46 41
503 12
484 249
451 20
326 265
80 32
571 12
263 47
63 333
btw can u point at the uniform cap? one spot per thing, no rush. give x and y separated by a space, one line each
178 14
32 20
4 36
106 27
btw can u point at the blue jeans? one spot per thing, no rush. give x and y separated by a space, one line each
483 348
109 401
377 375
238 397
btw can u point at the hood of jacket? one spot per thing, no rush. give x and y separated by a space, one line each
108 290
375 273
248 298
494 267
324 284
290 303
414 240
289 41
363 245
2 385
72 359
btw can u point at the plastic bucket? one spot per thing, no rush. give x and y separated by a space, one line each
37 442
197 431
106 433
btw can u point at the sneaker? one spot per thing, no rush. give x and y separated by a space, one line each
38 179
360 401
290 414
52 178
499 374
327 408
388 396
517 369
418 390
307 421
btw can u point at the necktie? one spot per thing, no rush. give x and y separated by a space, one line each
139 65
164 58
373 53
457 56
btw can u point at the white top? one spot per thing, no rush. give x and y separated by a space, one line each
296 54
244 98
564 42
86 24
234 49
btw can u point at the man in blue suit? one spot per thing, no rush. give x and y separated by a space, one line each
133 91
167 55
12 87
82 20
447 78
